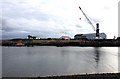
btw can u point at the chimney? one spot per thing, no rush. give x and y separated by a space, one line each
97 30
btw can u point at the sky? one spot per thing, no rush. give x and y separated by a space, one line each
56 18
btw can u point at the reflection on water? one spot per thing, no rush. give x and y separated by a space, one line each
119 59
44 61
97 56
0 61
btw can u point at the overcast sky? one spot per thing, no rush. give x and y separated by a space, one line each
56 18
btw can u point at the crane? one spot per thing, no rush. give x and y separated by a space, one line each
87 19
97 24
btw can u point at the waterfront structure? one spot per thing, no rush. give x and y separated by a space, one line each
90 36
31 37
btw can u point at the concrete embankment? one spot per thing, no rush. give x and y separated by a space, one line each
85 76
60 42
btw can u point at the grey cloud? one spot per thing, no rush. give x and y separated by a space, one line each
11 35
6 26
107 7
22 27
78 26
20 20
96 20
19 11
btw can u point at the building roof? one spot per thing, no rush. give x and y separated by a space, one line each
65 37
88 34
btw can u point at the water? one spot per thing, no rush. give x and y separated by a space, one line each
0 62
45 61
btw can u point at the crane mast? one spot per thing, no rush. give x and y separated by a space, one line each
87 19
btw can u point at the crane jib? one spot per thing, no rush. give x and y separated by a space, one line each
87 19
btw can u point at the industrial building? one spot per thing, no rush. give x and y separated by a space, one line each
90 36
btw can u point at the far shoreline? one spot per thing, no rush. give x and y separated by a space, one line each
77 76
61 42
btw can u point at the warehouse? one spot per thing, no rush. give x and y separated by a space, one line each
90 36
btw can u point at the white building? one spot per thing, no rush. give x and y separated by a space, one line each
65 37
90 36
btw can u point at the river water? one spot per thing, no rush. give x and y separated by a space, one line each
50 60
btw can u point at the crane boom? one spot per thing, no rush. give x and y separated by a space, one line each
87 19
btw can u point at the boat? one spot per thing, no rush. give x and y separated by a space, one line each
20 44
